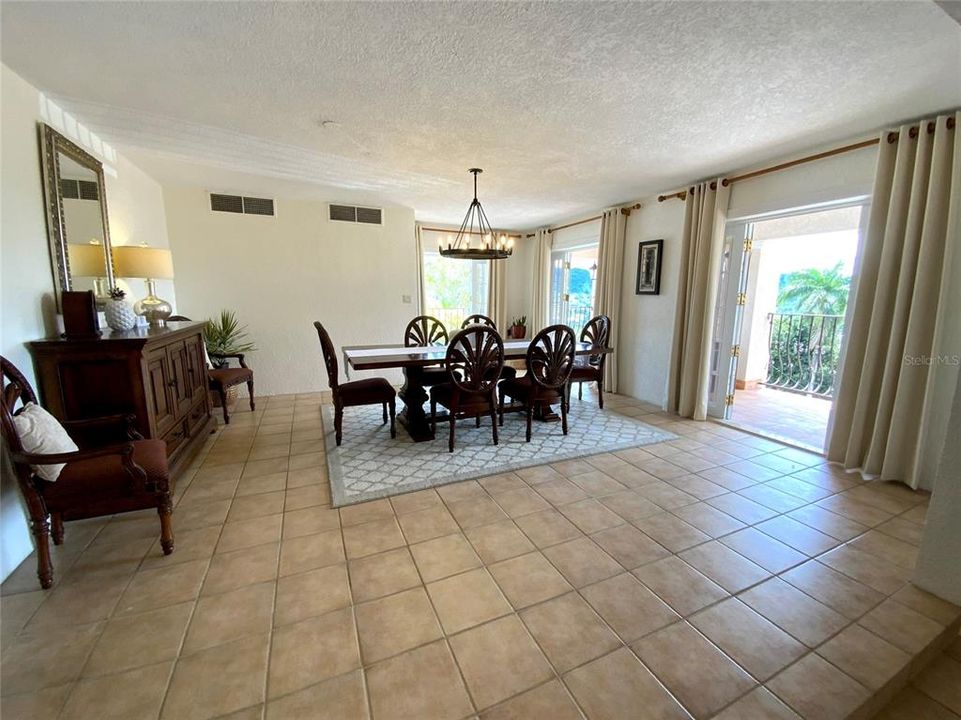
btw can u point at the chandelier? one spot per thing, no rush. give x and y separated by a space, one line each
488 246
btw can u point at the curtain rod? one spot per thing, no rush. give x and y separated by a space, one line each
892 137
624 211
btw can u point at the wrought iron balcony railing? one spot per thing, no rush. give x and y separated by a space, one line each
804 350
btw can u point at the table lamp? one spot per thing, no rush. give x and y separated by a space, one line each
88 260
151 264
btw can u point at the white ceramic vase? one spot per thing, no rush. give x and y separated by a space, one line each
120 316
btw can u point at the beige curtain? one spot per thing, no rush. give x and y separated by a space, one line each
607 291
419 248
497 294
887 379
540 283
701 246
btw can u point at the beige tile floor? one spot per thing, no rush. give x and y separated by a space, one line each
716 575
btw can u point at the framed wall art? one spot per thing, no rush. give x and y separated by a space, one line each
649 267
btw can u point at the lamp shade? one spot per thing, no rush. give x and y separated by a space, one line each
139 261
87 260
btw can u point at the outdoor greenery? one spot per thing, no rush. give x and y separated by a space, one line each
447 283
805 342
820 292
225 335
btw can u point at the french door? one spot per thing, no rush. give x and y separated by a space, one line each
728 317
573 277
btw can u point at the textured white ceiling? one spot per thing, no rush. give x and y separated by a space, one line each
567 106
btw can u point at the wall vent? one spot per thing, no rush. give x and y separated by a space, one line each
79 189
350 213
241 205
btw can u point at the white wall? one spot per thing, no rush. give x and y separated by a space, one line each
520 279
847 175
135 207
281 273
647 321
27 307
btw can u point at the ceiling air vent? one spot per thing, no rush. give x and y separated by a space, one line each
242 205
370 216
258 206
350 213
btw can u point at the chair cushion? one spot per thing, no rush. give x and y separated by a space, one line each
517 387
366 392
41 433
442 395
585 371
228 377
86 481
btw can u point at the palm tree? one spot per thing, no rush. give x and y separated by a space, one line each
820 292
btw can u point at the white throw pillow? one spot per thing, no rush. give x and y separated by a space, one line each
41 433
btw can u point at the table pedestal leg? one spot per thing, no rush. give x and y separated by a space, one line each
414 396
544 413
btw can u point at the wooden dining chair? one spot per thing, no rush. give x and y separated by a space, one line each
473 362
507 371
221 379
550 359
114 471
424 331
370 391
478 319
597 331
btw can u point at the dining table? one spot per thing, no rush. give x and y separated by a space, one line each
413 360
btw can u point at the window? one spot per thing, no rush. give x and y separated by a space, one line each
453 289
573 274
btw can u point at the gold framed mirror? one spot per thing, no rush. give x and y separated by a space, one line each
77 227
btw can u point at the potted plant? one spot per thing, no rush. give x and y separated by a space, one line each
519 327
225 336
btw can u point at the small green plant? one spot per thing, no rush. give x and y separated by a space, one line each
225 335
522 321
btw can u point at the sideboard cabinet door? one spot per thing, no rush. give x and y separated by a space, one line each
159 393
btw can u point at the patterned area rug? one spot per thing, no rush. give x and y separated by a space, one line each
370 465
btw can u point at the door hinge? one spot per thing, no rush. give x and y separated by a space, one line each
748 245
567 298
567 265
742 298
735 351
729 400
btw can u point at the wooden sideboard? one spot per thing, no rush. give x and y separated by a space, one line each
157 374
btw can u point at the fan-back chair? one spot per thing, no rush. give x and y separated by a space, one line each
424 331
473 363
370 391
477 319
597 331
550 359
114 471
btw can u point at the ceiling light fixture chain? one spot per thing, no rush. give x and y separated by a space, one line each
490 246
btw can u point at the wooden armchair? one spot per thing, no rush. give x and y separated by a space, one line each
473 364
222 379
550 359
597 331
114 471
